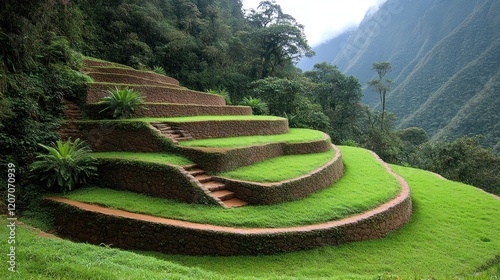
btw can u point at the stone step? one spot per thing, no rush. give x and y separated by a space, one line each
184 138
196 171
214 186
223 194
234 202
204 178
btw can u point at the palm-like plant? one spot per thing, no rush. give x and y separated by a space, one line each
258 107
123 102
65 165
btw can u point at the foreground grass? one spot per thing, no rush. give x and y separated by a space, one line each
281 168
150 157
454 234
350 195
295 135
208 118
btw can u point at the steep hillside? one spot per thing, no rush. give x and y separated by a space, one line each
445 64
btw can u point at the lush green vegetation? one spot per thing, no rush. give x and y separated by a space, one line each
352 194
281 168
151 157
295 135
122 102
452 234
66 165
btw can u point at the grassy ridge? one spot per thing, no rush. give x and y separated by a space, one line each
281 168
453 234
208 118
350 195
295 135
151 157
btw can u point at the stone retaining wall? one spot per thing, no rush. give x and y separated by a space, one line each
159 180
216 160
123 137
132 72
157 94
125 79
232 128
102 63
97 225
159 110
290 190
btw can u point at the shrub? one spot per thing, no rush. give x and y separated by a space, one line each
123 102
160 70
221 92
258 107
65 165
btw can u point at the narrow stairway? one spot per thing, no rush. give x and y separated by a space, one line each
217 189
173 132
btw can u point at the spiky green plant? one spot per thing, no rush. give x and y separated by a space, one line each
258 107
160 70
221 92
65 165
123 102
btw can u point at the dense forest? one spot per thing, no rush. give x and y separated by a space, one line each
208 45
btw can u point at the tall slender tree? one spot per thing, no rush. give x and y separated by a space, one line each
380 85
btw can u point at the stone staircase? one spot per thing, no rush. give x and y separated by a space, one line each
72 112
173 132
217 190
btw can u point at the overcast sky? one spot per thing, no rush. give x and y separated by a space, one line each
323 19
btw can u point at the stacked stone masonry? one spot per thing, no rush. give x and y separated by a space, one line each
169 110
126 230
132 72
157 94
125 79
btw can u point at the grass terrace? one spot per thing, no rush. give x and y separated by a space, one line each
453 234
350 195
207 118
295 135
281 168
149 157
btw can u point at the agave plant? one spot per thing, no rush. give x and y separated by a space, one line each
65 165
123 102
258 107
160 70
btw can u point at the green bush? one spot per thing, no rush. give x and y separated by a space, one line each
160 70
123 102
221 92
258 107
66 165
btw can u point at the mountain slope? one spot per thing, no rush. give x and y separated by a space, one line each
445 60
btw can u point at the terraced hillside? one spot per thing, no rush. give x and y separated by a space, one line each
194 154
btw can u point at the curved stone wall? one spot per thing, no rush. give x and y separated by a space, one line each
225 159
132 72
169 110
290 190
157 94
102 63
159 180
125 79
94 224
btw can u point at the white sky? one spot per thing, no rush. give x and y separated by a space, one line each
323 19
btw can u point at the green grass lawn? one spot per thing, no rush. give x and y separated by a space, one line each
454 234
295 135
207 118
280 168
170 159
350 195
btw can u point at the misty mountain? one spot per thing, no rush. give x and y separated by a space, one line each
325 52
446 64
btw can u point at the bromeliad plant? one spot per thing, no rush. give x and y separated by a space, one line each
123 102
65 165
258 107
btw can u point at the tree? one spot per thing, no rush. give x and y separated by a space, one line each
379 85
279 39
339 96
